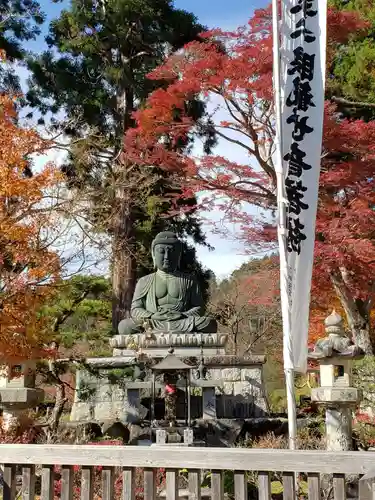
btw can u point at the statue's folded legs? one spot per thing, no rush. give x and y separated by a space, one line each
129 327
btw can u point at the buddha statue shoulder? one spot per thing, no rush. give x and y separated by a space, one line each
167 300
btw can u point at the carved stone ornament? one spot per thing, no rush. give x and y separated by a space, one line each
336 343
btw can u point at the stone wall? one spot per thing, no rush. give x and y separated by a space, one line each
233 388
242 394
103 398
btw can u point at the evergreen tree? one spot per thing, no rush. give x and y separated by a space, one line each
95 70
20 22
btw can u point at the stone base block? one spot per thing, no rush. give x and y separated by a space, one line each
339 429
336 395
232 389
160 352
20 398
242 393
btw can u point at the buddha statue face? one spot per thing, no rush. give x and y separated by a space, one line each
166 252
166 257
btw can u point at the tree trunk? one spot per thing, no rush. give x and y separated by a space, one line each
124 261
124 264
54 421
357 312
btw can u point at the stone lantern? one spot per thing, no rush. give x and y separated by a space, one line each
172 367
335 354
18 392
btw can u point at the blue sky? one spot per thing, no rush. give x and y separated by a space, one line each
212 13
221 13
227 255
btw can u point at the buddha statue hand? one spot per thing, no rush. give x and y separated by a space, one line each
195 312
166 315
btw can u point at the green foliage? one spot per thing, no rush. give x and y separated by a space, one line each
355 70
118 375
104 52
353 66
101 351
364 379
95 71
85 391
278 401
20 22
82 312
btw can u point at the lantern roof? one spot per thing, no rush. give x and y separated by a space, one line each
171 363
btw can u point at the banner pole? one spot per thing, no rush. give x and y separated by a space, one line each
282 235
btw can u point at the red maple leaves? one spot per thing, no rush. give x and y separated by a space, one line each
232 73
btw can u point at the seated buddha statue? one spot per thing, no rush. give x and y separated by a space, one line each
167 300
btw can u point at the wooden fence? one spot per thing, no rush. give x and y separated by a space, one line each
45 467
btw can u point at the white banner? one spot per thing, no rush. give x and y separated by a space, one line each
302 75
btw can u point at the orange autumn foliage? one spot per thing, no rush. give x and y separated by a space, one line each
28 267
321 307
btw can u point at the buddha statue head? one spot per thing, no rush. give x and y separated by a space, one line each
166 251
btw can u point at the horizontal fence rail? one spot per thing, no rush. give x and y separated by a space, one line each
176 472
184 457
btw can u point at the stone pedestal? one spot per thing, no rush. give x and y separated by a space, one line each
161 436
335 355
339 429
156 344
209 403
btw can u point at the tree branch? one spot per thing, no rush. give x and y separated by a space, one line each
353 104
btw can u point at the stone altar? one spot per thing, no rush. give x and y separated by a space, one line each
233 388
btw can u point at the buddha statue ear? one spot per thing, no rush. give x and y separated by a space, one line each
153 258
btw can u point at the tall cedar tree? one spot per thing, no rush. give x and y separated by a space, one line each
345 251
20 22
95 71
28 268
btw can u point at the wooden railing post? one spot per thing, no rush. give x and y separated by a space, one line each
9 482
367 486
87 487
128 484
67 482
313 485
339 490
264 486
108 483
48 477
289 485
217 484
240 485
149 484
195 484
28 482
172 484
